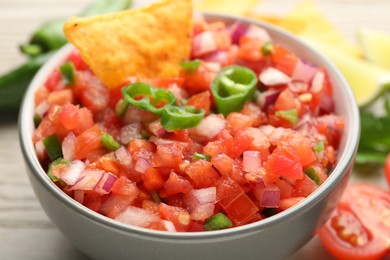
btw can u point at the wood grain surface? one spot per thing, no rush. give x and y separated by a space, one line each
25 230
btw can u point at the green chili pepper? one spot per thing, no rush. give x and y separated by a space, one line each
109 142
176 118
145 96
319 146
312 174
53 147
191 65
289 114
200 156
217 222
267 48
67 73
44 42
54 163
232 87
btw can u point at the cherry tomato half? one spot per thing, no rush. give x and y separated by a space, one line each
360 225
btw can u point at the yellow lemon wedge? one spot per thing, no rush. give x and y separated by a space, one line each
367 80
375 45
225 6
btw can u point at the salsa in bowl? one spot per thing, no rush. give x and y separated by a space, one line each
254 140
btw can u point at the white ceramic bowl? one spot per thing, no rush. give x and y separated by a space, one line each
273 238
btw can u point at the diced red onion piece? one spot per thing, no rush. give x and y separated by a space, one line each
278 133
138 217
271 77
123 156
216 57
267 97
255 31
267 129
68 147
270 197
206 195
88 180
237 30
203 43
304 72
327 103
298 86
40 150
201 203
212 66
318 82
251 161
210 126
73 173
169 226
42 108
142 165
130 132
105 184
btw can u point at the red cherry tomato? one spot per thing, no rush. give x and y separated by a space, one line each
387 169
360 226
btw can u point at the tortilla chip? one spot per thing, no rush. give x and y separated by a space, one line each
148 42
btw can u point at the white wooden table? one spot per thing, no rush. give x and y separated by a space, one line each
25 230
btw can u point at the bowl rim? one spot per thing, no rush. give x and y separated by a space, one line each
338 173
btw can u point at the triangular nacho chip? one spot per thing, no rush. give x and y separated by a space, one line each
148 42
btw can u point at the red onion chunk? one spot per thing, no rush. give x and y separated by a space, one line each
318 82
201 203
88 180
267 97
105 184
272 77
251 161
142 165
130 132
216 57
68 147
303 72
139 217
42 108
203 43
40 150
298 86
237 30
269 197
169 226
73 172
209 126
123 156
255 31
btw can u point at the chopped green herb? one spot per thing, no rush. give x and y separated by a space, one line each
200 156
217 222
53 147
109 142
67 73
290 115
319 146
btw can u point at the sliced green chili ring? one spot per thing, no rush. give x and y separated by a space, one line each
312 174
176 118
191 65
139 94
53 147
232 87
121 107
319 146
200 156
217 222
67 73
50 169
267 48
109 142
290 115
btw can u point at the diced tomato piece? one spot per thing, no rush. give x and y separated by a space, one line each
150 205
139 148
224 143
304 187
227 191
85 121
40 95
286 100
202 174
44 129
301 145
77 61
199 80
176 184
223 163
178 216
69 116
201 101
60 97
108 164
93 200
284 60
250 49
251 139
237 121
284 162
152 179
254 112
168 155
54 81
166 82
87 142
289 202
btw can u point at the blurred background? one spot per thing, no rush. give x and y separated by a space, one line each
25 230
